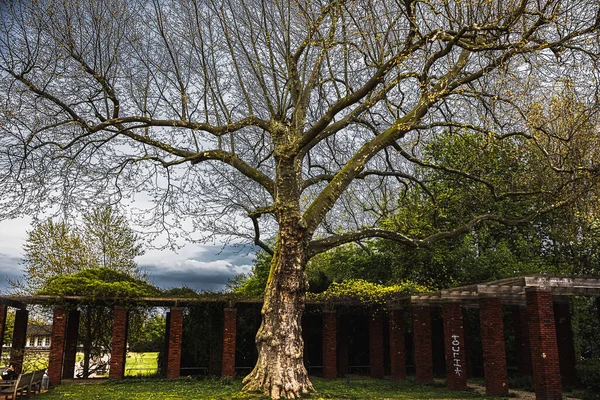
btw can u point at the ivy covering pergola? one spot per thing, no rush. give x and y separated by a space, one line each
540 298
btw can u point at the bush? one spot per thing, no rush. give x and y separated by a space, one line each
588 371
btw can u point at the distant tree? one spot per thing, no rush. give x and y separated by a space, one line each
52 249
58 257
113 243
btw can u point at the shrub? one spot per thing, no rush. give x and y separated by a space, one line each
588 371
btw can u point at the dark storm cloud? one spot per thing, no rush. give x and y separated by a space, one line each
200 267
9 269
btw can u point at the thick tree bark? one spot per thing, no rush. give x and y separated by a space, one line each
280 370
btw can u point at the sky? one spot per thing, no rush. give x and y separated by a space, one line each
200 267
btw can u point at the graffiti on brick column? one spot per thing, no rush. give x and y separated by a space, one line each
456 355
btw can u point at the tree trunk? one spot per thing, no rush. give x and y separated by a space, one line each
280 371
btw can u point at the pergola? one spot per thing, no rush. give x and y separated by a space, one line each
541 318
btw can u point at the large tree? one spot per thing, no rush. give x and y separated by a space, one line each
301 121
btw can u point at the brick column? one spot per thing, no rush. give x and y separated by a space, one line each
342 348
329 344
422 340
454 344
376 345
544 348
494 351
397 345
229 334
72 336
19 338
566 346
119 342
57 345
174 349
3 312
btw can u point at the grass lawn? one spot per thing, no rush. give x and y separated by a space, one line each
141 364
185 389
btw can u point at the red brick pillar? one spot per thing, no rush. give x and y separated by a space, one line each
397 345
544 347
522 342
3 312
19 337
174 349
454 343
119 342
342 350
422 340
376 345
566 346
329 344
72 336
57 345
229 336
494 351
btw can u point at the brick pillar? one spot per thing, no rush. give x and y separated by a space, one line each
19 338
174 349
72 336
376 346
544 347
3 312
522 342
566 346
229 333
119 342
57 345
454 344
494 351
422 340
397 345
329 344
342 349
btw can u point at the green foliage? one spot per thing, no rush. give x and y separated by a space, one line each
52 249
253 285
56 248
97 283
366 293
146 332
588 372
113 243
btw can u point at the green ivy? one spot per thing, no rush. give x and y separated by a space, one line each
94 283
366 293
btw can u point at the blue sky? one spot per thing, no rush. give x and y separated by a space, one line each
200 267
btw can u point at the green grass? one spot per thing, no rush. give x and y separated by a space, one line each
136 364
186 389
141 364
